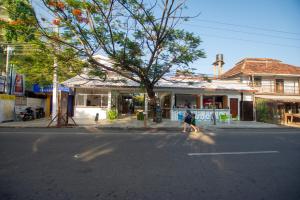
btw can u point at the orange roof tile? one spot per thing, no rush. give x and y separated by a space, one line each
258 66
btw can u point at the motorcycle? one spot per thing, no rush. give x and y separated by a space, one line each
27 115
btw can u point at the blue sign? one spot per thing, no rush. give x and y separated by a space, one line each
49 88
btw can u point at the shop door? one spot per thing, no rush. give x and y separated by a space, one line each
166 107
246 110
234 107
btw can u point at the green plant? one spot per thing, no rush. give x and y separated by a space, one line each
261 110
140 115
112 114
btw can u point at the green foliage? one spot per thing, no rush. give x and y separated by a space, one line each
206 78
37 65
262 112
20 23
33 56
112 114
140 116
139 99
140 39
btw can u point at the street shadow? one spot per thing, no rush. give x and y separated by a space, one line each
151 139
94 152
201 137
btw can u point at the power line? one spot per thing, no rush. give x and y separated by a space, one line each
246 26
251 33
254 41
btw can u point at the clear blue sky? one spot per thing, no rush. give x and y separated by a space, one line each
245 37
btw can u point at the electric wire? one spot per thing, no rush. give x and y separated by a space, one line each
247 26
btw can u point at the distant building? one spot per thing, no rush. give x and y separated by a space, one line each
276 85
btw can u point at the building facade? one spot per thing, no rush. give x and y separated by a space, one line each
175 95
276 84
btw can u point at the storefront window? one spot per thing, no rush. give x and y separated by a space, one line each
80 100
209 100
92 100
104 101
257 81
185 101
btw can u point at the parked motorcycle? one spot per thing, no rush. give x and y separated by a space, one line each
39 112
27 115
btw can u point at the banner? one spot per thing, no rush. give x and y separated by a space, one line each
2 84
18 84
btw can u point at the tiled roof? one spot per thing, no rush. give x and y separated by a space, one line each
177 82
256 66
83 81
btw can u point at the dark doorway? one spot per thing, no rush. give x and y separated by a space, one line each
246 110
234 107
166 107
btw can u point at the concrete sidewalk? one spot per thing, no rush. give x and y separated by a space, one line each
132 122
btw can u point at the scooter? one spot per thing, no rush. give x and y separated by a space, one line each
27 115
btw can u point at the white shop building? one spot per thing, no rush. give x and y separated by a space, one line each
175 96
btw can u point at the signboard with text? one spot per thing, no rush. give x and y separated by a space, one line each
2 84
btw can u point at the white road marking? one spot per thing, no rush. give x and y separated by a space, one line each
231 153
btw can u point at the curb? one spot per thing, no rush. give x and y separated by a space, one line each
149 128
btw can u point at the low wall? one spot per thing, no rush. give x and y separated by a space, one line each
7 106
201 114
89 112
23 102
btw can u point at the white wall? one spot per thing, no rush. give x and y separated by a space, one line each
35 102
291 87
29 102
267 85
7 109
89 112
248 97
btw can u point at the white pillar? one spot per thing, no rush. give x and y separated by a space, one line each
201 101
55 86
172 106
8 49
146 105
109 101
54 90
172 100
146 110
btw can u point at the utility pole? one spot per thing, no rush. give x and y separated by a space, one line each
55 87
8 49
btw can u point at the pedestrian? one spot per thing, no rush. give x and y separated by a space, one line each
193 123
187 120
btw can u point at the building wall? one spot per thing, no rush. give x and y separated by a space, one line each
82 110
268 84
291 86
7 105
200 114
86 112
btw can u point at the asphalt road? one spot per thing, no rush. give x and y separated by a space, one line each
88 164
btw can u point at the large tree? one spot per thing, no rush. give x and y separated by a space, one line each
33 55
140 38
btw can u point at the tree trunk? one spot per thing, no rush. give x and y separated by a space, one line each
151 95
